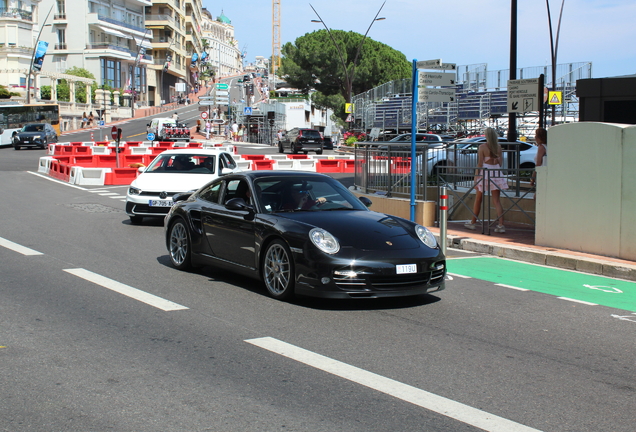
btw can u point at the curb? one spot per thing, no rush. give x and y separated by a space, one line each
547 258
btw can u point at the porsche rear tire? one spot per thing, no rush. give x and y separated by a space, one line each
278 271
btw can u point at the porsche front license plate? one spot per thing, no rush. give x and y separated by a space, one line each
160 203
406 268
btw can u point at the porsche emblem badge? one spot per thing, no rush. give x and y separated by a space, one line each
389 243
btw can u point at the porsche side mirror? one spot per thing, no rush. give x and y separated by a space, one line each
366 201
181 196
236 204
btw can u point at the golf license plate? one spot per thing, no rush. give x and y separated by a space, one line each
406 268
160 203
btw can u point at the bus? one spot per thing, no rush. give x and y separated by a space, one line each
14 115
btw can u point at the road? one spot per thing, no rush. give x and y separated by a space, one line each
99 332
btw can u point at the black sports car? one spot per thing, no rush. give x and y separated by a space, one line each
34 135
302 233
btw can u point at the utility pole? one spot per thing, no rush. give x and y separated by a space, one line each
512 117
30 70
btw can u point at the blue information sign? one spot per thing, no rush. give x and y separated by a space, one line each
102 122
151 136
247 111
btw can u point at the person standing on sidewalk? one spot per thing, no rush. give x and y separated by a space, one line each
241 133
541 159
235 129
489 156
208 128
90 118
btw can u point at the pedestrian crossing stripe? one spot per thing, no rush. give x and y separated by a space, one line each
555 97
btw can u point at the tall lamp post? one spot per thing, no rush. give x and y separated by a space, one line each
133 76
554 47
349 76
166 66
37 41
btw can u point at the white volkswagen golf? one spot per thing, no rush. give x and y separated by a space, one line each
172 172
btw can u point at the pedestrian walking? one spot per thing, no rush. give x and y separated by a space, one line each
279 136
235 129
84 120
489 156
208 128
226 132
241 133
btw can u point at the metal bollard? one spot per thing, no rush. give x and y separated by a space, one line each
443 216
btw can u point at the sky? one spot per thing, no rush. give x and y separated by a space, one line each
464 32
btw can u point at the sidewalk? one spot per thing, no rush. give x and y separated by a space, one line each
518 244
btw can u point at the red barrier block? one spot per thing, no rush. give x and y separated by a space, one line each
328 165
102 143
262 164
84 161
131 159
195 145
164 144
106 161
297 156
63 159
134 143
121 176
157 150
349 166
253 157
76 143
65 171
80 150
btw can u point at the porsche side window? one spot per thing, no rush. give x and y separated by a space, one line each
227 161
211 193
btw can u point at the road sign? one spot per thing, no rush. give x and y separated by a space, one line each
207 102
438 79
428 64
204 115
555 98
349 108
222 93
523 95
443 66
222 101
113 132
247 111
206 97
222 86
102 123
349 118
436 95
150 136
218 121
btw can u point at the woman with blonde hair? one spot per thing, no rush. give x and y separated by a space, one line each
489 156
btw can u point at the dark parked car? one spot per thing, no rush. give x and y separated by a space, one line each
327 143
302 233
301 140
34 135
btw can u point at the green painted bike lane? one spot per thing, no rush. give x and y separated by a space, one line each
590 288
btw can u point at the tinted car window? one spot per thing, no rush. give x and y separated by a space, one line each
310 133
211 193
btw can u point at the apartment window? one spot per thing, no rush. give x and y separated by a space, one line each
61 7
111 72
61 36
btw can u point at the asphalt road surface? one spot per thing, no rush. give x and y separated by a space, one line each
99 332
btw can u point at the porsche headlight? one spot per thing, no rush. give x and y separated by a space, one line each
426 236
324 240
134 191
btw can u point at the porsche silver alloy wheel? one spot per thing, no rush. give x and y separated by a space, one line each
278 271
179 245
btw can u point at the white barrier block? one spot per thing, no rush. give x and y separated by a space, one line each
90 176
244 165
278 157
287 164
305 165
44 165
139 150
102 150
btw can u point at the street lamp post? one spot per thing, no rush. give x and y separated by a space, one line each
37 41
164 67
349 76
554 47
133 77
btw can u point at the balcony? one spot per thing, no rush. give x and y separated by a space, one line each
168 18
126 52
60 46
120 23
16 13
5 48
59 16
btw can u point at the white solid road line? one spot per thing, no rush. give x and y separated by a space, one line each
459 276
439 404
126 290
18 248
577 301
512 287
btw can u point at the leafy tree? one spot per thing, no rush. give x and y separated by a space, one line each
314 62
64 91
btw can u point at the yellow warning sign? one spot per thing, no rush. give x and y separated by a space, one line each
555 98
348 108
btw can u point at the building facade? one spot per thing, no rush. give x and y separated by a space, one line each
106 37
176 27
224 56
18 32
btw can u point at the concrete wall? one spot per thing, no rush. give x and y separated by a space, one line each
424 210
586 199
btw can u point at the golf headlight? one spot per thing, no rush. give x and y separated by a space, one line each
134 191
426 236
324 240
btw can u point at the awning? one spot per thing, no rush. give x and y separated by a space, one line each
114 32
145 43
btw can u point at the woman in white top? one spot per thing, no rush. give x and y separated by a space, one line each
489 156
541 159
